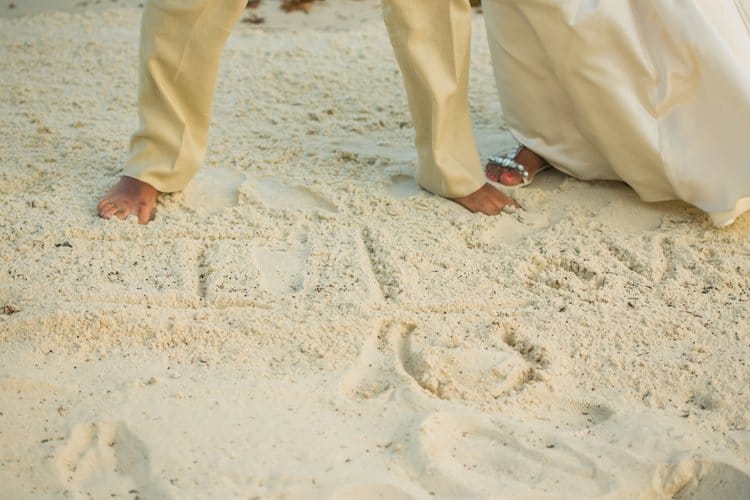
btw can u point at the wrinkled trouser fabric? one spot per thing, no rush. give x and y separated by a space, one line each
181 44
432 41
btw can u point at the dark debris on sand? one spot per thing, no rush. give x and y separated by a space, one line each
9 309
286 6
300 5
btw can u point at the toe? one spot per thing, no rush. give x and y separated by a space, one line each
490 171
510 178
107 211
145 214
494 172
122 213
104 205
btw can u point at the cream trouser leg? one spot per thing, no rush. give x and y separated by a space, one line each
181 43
432 41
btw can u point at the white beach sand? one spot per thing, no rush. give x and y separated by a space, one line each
305 322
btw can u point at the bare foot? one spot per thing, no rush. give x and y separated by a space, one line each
487 200
129 196
526 157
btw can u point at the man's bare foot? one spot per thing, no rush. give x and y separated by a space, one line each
487 200
129 196
526 157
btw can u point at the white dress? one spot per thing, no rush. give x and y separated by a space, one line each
655 93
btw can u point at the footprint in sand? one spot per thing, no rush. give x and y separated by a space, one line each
214 189
472 456
458 374
377 370
714 480
396 357
402 186
632 215
104 459
278 196
585 196
512 230
238 274
281 271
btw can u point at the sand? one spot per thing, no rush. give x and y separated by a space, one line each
305 322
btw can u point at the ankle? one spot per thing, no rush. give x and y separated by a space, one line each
529 159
